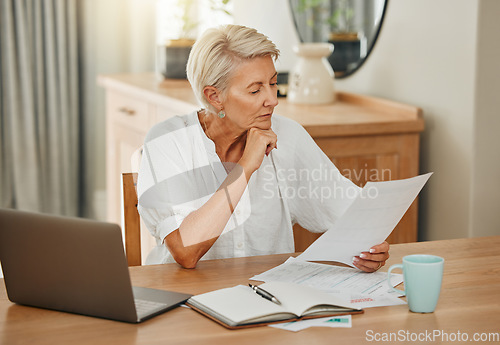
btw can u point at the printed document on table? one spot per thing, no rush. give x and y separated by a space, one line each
335 279
368 221
344 321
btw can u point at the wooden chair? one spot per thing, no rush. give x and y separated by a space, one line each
132 220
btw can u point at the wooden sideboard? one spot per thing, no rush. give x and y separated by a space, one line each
367 138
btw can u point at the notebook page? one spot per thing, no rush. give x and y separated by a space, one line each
238 303
299 298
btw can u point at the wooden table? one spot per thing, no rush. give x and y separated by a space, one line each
469 304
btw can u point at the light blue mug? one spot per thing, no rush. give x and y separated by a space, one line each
422 276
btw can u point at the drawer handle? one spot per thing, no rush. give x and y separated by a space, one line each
127 111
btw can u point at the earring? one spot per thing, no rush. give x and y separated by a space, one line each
221 114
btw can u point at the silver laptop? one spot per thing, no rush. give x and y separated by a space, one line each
74 265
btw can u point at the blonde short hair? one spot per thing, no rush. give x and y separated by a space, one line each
218 52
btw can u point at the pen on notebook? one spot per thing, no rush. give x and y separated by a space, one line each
263 293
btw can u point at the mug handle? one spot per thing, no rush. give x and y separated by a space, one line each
402 292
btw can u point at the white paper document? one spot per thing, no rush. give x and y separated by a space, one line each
333 279
368 221
372 301
344 321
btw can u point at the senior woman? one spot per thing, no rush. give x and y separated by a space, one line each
215 183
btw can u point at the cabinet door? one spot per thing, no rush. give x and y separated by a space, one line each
372 158
127 121
125 143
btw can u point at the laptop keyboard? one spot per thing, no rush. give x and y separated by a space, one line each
145 307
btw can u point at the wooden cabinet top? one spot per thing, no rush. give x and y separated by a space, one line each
351 114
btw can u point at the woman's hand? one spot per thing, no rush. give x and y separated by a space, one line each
374 259
259 142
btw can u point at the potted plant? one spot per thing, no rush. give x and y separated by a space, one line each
315 15
183 24
332 21
344 36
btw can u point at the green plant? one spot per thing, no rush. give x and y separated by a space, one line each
185 15
342 18
314 9
338 14
189 22
220 5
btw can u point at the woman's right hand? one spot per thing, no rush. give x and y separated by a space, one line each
259 142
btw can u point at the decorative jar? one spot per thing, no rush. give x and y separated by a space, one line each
312 78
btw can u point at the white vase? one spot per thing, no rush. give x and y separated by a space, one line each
312 79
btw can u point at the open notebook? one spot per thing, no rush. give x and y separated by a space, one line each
240 306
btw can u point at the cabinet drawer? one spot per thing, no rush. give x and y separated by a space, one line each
128 111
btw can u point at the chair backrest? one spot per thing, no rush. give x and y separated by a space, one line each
132 220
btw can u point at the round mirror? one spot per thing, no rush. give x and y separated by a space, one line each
352 26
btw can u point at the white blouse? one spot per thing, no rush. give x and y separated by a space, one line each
297 182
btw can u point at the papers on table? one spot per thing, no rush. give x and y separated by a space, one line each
363 301
368 221
344 321
365 289
329 277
